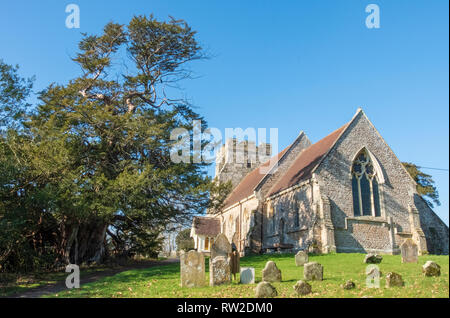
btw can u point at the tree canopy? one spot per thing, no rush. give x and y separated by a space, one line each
89 172
425 184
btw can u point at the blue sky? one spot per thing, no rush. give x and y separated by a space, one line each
294 65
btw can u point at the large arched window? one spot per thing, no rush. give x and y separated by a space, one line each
366 195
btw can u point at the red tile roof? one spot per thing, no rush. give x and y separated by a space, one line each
248 184
305 163
207 226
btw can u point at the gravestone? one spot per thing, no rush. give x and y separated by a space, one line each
394 280
431 268
264 290
271 273
235 263
221 246
219 271
313 271
349 285
301 258
373 259
410 251
302 288
247 275
192 269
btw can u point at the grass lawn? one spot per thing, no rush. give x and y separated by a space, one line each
16 283
163 281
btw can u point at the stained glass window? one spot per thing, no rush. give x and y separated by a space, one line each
365 189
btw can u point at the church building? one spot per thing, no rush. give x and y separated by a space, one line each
348 192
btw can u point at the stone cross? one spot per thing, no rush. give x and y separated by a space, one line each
410 251
192 269
247 275
301 258
219 271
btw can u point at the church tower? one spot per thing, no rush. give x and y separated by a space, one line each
236 159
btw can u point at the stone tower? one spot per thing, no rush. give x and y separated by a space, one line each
235 159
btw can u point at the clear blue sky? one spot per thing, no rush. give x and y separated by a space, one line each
295 65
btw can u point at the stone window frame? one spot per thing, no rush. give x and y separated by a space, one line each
376 173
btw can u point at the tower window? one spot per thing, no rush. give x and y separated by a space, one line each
249 164
365 190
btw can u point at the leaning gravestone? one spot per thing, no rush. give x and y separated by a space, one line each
373 259
431 268
271 273
410 251
394 280
301 258
247 275
220 271
192 269
313 271
264 290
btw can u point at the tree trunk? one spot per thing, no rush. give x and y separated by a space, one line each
84 243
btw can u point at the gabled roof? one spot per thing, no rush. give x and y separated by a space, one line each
306 162
207 226
247 186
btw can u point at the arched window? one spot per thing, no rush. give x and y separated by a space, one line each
366 196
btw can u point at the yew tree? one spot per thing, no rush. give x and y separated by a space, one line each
101 143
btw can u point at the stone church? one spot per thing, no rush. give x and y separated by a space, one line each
348 192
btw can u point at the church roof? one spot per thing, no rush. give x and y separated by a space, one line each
306 162
247 186
206 226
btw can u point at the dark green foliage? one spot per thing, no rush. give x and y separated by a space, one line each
184 240
89 174
425 184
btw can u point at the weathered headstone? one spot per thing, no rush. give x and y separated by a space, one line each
301 258
221 246
313 271
192 269
431 268
373 259
394 280
235 263
410 251
349 285
302 288
219 271
247 275
271 273
373 275
264 290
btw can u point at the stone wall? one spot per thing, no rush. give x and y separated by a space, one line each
279 219
355 234
435 230
236 223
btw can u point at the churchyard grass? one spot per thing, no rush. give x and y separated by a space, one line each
164 281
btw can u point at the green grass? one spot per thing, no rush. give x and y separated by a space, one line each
163 281
12 284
